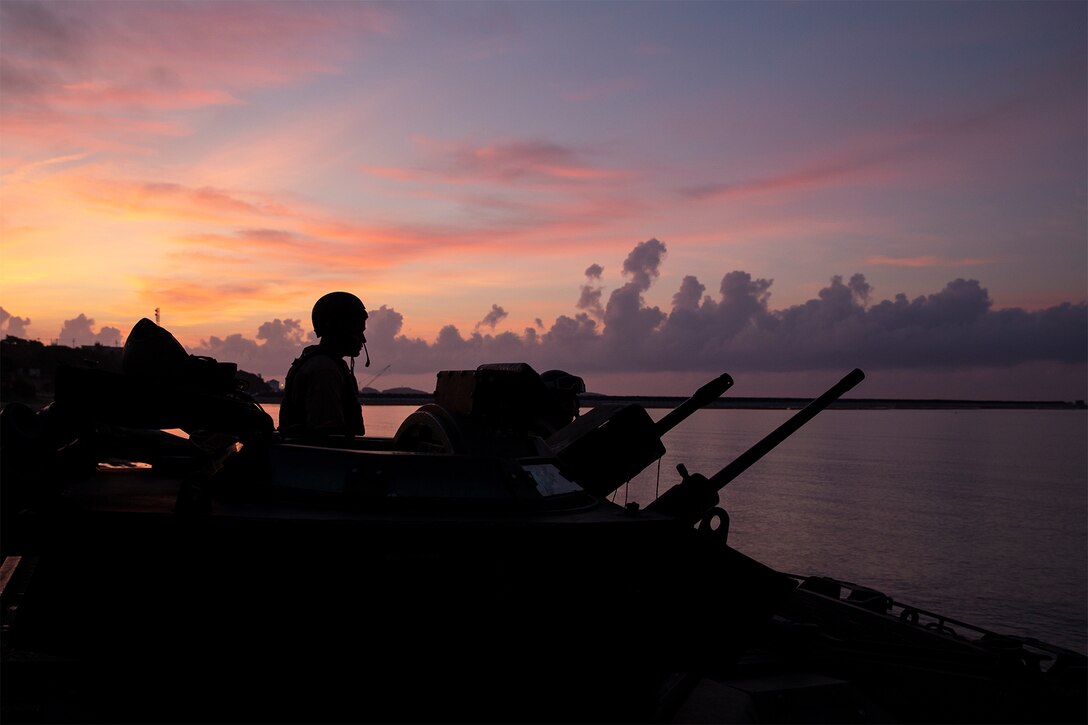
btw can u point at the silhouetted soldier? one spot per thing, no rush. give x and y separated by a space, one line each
321 395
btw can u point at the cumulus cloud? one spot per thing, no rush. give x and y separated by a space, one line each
736 330
492 318
733 329
643 262
590 296
12 325
277 343
630 328
284 335
80 331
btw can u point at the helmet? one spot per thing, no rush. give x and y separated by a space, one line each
337 311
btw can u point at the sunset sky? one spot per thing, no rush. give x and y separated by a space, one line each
647 194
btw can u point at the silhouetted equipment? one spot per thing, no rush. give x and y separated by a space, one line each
608 446
493 410
468 568
160 386
690 499
784 431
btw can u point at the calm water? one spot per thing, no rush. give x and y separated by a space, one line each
980 515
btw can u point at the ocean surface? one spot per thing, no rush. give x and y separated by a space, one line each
979 515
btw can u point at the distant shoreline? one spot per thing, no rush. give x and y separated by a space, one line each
845 403
590 400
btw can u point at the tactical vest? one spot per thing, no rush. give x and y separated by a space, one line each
293 407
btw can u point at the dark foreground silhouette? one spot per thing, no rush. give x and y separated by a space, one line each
469 568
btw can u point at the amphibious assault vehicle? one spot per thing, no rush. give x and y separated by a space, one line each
469 568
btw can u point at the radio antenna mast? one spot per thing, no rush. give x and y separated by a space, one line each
156 315
380 373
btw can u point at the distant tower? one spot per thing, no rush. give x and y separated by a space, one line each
156 315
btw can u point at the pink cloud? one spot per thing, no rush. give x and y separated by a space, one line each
280 253
174 201
90 69
929 261
98 94
203 296
42 130
394 173
224 44
312 238
826 173
516 161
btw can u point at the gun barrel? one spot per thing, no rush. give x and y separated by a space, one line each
699 399
720 479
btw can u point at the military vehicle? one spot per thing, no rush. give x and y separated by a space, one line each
469 568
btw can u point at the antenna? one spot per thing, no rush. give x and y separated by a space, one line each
156 315
380 373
